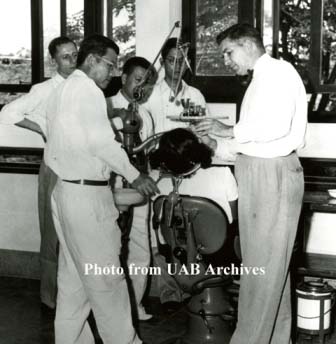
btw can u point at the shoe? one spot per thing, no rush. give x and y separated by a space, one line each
142 315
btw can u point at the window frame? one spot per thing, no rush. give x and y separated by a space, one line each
315 59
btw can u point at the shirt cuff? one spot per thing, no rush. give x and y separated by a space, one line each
226 149
131 174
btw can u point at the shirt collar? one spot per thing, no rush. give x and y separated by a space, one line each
122 98
79 72
165 88
58 78
260 63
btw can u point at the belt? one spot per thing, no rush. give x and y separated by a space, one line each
88 182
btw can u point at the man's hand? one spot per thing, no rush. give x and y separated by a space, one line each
212 126
210 142
145 185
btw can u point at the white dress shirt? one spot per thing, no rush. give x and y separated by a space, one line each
147 126
216 183
159 106
31 105
273 116
80 140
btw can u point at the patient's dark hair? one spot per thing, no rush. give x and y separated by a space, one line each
179 150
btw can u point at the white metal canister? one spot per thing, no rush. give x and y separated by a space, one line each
311 296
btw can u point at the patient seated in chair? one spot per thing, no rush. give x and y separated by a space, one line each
190 220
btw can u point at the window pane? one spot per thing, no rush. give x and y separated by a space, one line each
268 26
123 27
75 20
294 36
51 29
328 41
15 38
212 17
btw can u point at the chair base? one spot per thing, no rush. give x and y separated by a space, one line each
209 319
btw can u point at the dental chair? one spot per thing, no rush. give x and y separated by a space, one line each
187 230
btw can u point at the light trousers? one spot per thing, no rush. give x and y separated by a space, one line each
269 203
139 251
85 220
49 242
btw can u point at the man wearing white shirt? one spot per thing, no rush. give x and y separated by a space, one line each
82 151
169 94
167 99
271 128
29 112
134 71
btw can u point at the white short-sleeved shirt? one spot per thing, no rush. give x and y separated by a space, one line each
215 183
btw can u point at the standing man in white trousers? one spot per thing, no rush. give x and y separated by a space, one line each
82 151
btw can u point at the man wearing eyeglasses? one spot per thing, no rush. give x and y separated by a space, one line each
82 150
29 112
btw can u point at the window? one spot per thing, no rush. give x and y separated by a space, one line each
15 48
119 24
24 57
212 18
51 29
304 33
202 21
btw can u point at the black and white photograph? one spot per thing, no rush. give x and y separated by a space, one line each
167 171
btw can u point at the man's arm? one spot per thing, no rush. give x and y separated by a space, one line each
31 105
213 126
101 139
30 125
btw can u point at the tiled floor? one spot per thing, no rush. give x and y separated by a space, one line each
24 321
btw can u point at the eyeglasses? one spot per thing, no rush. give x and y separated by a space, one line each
111 65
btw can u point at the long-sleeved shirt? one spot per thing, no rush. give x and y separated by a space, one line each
31 105
80 140
159 106
147 126
273 116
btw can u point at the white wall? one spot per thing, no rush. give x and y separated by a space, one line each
19 228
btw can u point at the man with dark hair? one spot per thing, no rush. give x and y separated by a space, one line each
172 92
82 151
271 127
29 112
